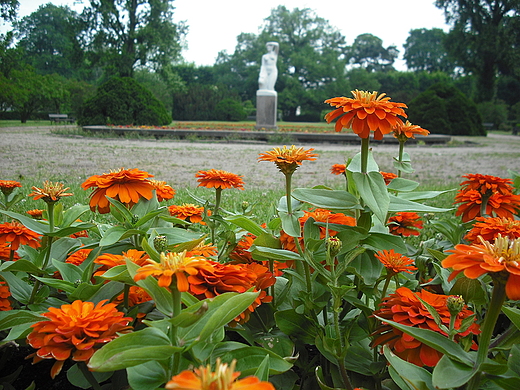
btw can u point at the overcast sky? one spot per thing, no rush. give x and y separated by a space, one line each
215 24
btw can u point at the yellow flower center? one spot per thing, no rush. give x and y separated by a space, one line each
505 250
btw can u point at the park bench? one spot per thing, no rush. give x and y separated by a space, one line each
57 118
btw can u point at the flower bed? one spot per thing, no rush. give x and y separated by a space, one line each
331 291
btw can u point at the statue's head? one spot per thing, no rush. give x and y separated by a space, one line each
272 46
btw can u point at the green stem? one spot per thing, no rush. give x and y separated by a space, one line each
483 205
498 297
126 293
385 287
176 307
271 289
365 142
288 189
218 197
89 376
344 375
400 158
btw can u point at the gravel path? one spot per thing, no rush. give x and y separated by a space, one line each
36 152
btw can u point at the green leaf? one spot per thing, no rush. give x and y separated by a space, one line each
67 231
333 200
435 340
513 314
68 287
228 310
290 224
30 223
20 290
373 191
367 267
85 291
400 184
449 373
117 233
132 349
421 195
296 326
399 204
149 216
471 290
514 358
69 272
355 163
146 376
262 372
250 358
380 241
11 318
408 375
72 214
321 381
121 208
76 377
246 224
275 254
118 273
21 265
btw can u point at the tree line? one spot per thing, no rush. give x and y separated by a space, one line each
55 59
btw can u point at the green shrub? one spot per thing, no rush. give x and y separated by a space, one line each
495 113
443 109
230 110
123 101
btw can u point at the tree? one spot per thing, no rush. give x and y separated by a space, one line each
133 33
424 51
51 38
8 9
443 109
123 101
27 92
484 34
368 52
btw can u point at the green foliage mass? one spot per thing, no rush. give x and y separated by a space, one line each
443 109
123 101
230 110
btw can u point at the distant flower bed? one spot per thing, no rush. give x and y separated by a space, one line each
231 126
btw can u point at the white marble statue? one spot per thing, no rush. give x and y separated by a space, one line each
268 69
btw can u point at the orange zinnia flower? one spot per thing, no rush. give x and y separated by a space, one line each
490 228
162 190
136 296
223 378
5 303
127 186
405 308
288 159
17 234
78 257
388 176
76 330
173 264
338 169
405 224
366 112
404 131
202 249
35 213
215 178
395 262
228 277
495 192
50 193
5 252
109 260
7 186
319 215
500 259
188 211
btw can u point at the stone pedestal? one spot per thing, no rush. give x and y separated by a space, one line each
266 105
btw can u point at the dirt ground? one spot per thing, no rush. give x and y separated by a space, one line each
37 153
